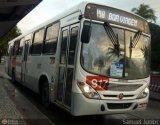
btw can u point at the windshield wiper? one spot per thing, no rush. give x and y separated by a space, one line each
113 37
134 41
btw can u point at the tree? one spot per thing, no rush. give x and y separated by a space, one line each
149 14
14 32
155 45
146 12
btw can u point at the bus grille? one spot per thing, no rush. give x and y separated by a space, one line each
128 87
116 96
118 105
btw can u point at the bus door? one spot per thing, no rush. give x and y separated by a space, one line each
69 37
25 55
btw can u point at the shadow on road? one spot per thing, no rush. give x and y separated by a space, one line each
60 117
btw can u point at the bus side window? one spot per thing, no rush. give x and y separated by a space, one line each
15 48
36 47
20 47
63 46
51 39
72 46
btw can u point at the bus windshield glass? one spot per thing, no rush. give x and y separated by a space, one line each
99 56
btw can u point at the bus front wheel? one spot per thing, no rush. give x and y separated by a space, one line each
45 94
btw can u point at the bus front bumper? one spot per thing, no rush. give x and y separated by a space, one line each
84 106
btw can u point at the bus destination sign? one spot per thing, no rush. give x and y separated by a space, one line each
115 16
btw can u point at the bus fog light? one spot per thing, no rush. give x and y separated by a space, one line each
88 91
144 93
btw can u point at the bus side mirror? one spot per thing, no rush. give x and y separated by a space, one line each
86 33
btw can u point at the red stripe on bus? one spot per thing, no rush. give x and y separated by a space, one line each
99 83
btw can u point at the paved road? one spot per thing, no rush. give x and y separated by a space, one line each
15 108
29 106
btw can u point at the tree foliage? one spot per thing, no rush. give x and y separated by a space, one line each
146 12
155 45
14 32
149 14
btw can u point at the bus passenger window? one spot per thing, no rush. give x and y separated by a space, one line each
64 47
72 46
20 47
37 42
51 39
15 49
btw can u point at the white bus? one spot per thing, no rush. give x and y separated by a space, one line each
91 60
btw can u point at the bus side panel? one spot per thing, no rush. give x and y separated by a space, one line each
33 67
36 67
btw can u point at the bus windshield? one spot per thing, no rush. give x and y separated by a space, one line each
100 57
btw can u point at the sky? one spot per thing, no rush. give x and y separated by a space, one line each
48 9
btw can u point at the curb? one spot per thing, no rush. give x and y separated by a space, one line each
4 76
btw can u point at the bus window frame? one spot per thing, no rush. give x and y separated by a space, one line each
33 38
113 26
15 50
77 43
21 40
45 35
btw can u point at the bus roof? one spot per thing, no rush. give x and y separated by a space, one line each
78 8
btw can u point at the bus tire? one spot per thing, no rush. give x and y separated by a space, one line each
45 94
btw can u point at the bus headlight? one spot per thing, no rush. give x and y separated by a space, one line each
88 91
144 93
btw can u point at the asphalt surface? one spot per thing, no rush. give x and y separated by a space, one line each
31 111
